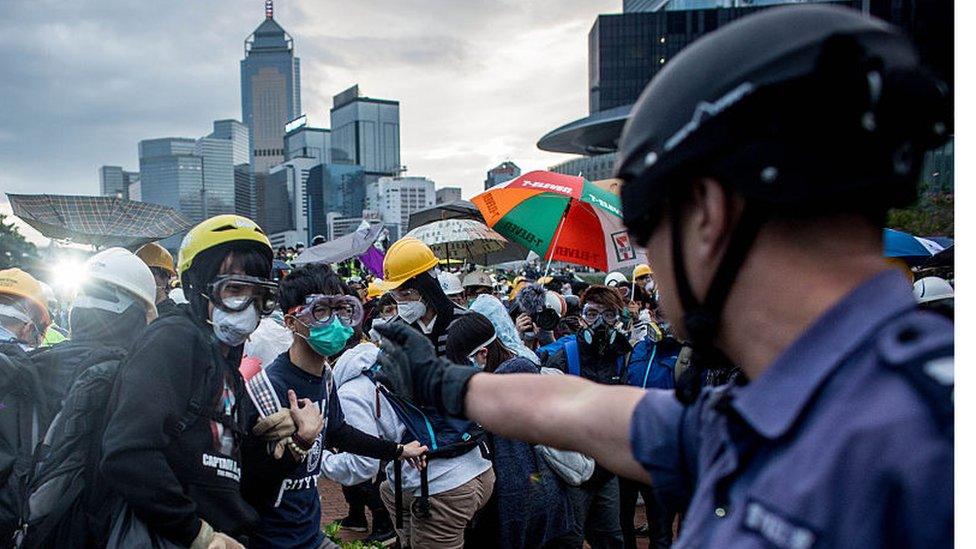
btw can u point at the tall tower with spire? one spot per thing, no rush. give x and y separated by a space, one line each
270 90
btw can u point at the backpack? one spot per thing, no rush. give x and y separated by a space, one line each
573 360
24 411
444 437
64 505
652 365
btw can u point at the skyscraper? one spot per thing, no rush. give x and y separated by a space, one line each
244 188
114 181
395 198
217 157
506 171
305 141
338 190
171 174
239 136
366 131
270 90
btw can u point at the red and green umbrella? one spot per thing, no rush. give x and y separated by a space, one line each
561 218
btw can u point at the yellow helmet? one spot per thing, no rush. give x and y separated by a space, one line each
218 230
406 258
374 289
17 283
642 270
154 255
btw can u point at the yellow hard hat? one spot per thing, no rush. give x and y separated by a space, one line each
17 283
217 230
642 270
544 280
154 255
374 289
406 258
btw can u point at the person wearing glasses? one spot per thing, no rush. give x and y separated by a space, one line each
325 319
598 353
177 415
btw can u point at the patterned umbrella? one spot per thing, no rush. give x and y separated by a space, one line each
459 238
561 218
913 250
97 220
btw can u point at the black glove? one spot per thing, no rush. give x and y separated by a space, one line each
411 369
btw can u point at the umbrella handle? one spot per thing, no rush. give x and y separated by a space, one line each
552 246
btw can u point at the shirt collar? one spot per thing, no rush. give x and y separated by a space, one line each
772 402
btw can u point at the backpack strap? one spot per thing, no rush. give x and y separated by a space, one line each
572 357
650 362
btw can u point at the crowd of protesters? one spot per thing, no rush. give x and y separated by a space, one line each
198 402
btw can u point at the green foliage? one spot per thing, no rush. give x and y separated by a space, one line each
15 250
332 530
932 216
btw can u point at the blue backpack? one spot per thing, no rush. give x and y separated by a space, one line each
444 437
652 364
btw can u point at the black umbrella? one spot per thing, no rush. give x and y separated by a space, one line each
462 209
97 220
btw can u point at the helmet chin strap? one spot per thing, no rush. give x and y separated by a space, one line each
701 318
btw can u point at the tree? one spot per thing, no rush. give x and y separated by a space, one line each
15 250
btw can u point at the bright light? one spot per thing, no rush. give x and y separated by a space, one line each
68 275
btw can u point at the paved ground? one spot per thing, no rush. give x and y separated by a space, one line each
334 508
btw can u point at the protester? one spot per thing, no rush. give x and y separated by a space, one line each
530 505
323 317
597 352
160 262
172 444
458 486
476 283
451 285
505 330
841 431
24 315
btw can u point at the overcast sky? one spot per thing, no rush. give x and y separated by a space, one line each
479 81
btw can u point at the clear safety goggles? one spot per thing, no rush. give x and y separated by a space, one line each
591 313
321 310
401 295
235 293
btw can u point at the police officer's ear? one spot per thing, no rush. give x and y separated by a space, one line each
711 213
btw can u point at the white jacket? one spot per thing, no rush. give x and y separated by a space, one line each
358 397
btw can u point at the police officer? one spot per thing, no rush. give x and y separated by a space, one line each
763 152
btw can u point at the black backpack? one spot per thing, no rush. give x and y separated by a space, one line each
23 413
444 437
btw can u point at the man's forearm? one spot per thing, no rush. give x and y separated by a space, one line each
561 411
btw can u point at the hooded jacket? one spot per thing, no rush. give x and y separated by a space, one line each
358 396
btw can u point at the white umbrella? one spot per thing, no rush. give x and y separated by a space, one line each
459 238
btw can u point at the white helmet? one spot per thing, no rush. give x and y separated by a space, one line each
932 288
123 269
615 279
450 283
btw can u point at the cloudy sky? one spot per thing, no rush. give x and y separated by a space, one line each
479 81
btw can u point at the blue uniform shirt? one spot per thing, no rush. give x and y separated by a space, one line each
293 518
834 445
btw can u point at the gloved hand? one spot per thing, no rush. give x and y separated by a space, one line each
410 368
275 427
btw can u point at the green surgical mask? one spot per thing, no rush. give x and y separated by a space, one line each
329 339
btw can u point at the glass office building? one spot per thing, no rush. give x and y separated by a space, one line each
366 131
114 181
334 189
270 91
218 175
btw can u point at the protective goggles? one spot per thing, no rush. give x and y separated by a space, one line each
591 314
235 293
401 295
321 310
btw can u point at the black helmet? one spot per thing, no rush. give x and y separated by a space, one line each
800 109
796 105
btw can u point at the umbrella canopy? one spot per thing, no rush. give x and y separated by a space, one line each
345 247
913 250
459 239
459 209
561 218
98 220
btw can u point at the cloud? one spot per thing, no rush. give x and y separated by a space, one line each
479 81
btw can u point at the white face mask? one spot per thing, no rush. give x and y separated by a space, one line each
233 328
649 287
411 311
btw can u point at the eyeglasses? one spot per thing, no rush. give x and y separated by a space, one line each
320 310
235 293
592 313
408 294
